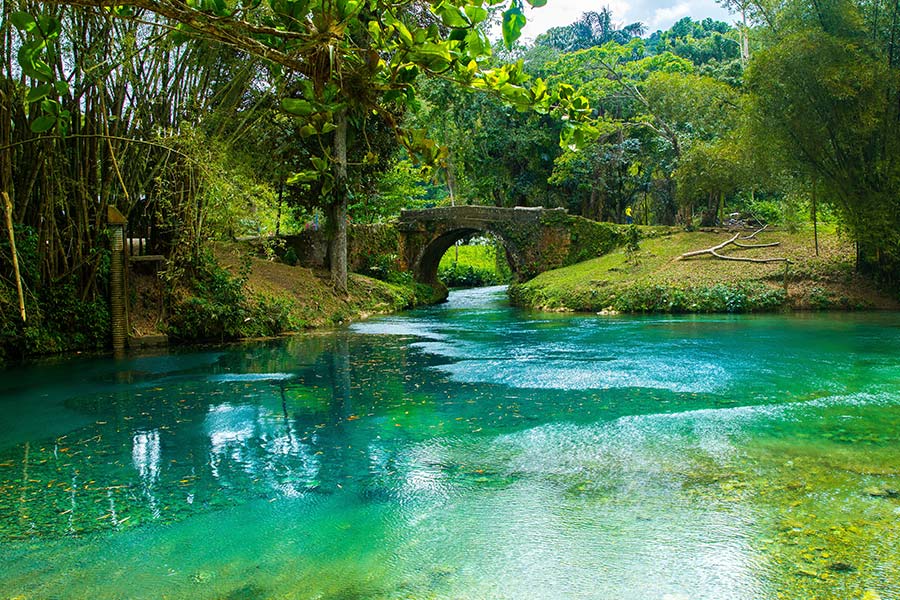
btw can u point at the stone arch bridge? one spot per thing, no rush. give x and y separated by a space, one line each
535 240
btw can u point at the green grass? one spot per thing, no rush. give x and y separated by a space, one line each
653 280
476 256
476 265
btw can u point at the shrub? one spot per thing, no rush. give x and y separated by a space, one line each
460 275
290 257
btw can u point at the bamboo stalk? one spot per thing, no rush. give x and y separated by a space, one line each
15 258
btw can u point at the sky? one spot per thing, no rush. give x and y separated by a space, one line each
654 14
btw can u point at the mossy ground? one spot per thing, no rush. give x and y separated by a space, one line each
651 279
312 295
303 298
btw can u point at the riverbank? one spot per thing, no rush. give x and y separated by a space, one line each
240 295
653 279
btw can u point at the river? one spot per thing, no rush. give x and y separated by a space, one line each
465 451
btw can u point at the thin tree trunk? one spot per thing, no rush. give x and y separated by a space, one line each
12 249
745 38
815 216
338 208
280 200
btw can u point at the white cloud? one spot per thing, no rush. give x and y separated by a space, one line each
666 16
654 14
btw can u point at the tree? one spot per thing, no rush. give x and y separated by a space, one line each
348 61
592 29
827 97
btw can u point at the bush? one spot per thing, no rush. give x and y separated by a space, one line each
290 257
479 263
460 275
384 267
766 211
719 298
220 308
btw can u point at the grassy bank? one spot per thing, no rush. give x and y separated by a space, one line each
236 295
651 279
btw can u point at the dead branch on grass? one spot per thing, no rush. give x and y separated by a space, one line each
734 241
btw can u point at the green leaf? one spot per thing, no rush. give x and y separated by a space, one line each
62 88
23 21
375 31
476 45
320 164
452 16
476 14
39 70
404 33
328 127
537 3
43 123
303 177
297 106
31 63
38 93
539 89
50 106
513 21
307 89
50 27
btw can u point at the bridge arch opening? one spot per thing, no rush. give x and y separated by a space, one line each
430 261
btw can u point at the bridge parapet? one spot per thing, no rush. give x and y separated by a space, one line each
484 215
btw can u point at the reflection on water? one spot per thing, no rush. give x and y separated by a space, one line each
468 450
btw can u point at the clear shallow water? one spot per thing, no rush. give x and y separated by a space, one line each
469 450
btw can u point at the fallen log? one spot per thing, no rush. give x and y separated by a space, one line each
714 251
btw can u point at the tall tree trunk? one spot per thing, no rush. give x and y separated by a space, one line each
745 37
451 177
337 210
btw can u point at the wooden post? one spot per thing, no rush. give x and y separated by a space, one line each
15 258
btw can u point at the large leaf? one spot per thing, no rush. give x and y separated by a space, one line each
452 16
23 21
31 63
298 106
476 14
43 123
50 27
39 93
513 21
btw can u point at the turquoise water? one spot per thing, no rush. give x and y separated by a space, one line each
465 451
